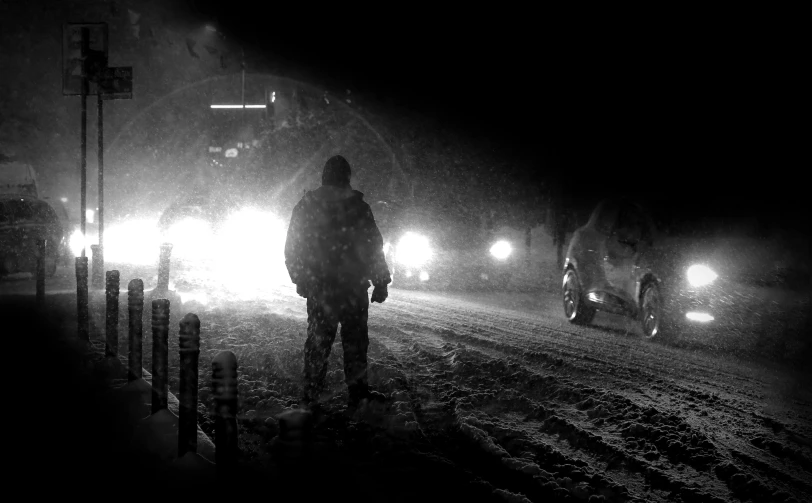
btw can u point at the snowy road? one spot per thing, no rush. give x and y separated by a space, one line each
654 419
504 389
549 406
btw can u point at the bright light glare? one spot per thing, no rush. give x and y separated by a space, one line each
89 216
238 106
501 250
386 247
251 247
413 250
701 317
424 276
191 238
76 241
699 275
133 242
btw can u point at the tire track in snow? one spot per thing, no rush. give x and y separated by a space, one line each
504 332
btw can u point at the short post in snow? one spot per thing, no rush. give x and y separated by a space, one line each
225 392
189 354
111 319
81 298
160 354
40 273
163 267
96 267
135 307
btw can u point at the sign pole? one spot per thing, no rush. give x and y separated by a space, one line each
100 127
83 174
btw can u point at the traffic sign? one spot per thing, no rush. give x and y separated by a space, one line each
74 62
117 83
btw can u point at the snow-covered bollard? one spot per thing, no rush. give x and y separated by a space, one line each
225 392
160 354
81 298
111 318
163 267
40 273
135 306
189 335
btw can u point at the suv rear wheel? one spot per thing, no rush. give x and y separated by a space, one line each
651 310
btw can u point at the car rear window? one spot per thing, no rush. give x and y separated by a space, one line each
24 211
607 216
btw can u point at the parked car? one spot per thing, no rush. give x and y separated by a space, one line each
619 263
23 221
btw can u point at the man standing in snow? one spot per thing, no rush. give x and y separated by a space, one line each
333 251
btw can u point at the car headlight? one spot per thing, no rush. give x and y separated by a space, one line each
700 275
77 241
192 238
251 244
501 250
133 241
413 250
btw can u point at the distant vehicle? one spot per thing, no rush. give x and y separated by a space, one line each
427 250
204 226
23 221
619 263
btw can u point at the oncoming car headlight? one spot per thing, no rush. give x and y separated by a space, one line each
192 238
413 250
133 241
501 250
700 275
76 241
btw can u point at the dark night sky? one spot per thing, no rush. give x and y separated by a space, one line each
686 102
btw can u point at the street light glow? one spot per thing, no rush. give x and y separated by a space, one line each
238 106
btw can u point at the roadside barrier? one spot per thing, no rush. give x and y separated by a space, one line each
40 273
81 298
160 354
189 350
111 325
163 267
135 308
225 392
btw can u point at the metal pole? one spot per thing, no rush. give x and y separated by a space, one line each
160 354
111 325
41 244
100 128
81 297
83 173
225 393
189 349
135 303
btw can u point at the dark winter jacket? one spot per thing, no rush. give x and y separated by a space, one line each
333 241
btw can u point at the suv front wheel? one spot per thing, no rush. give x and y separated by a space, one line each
575 309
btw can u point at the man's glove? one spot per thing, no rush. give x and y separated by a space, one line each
379 293
301 289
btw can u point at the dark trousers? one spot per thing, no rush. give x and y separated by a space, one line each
325 311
